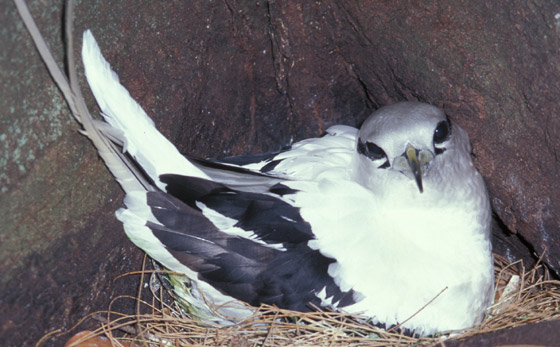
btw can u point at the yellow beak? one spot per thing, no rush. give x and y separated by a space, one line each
411 155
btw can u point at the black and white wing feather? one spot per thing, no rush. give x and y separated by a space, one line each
232 229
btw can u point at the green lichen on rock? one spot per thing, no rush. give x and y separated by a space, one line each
51 180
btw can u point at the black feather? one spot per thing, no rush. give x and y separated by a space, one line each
247 159
211 164
270 166
271 218
281 190
243 268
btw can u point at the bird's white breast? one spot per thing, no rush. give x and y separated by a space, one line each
403 252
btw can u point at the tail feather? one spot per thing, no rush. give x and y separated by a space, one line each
130 128
133 128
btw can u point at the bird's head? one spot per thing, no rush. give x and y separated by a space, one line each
406 139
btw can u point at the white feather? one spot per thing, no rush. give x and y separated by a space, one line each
141 139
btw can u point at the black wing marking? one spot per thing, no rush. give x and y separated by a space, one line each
270 166
271 219
243 268
249 158
230 264
223 165
237 177
294 277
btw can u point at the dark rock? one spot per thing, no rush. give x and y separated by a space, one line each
537 334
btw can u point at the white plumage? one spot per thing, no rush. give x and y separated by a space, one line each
380 221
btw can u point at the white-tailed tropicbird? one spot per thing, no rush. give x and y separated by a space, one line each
379 221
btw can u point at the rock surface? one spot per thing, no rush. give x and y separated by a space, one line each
538 334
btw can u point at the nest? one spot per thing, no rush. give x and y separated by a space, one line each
521 297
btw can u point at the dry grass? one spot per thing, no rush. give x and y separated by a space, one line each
533 298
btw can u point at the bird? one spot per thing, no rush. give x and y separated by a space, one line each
390 221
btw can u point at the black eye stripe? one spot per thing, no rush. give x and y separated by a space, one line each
373 152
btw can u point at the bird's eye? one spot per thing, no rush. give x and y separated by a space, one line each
442 132
373 152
